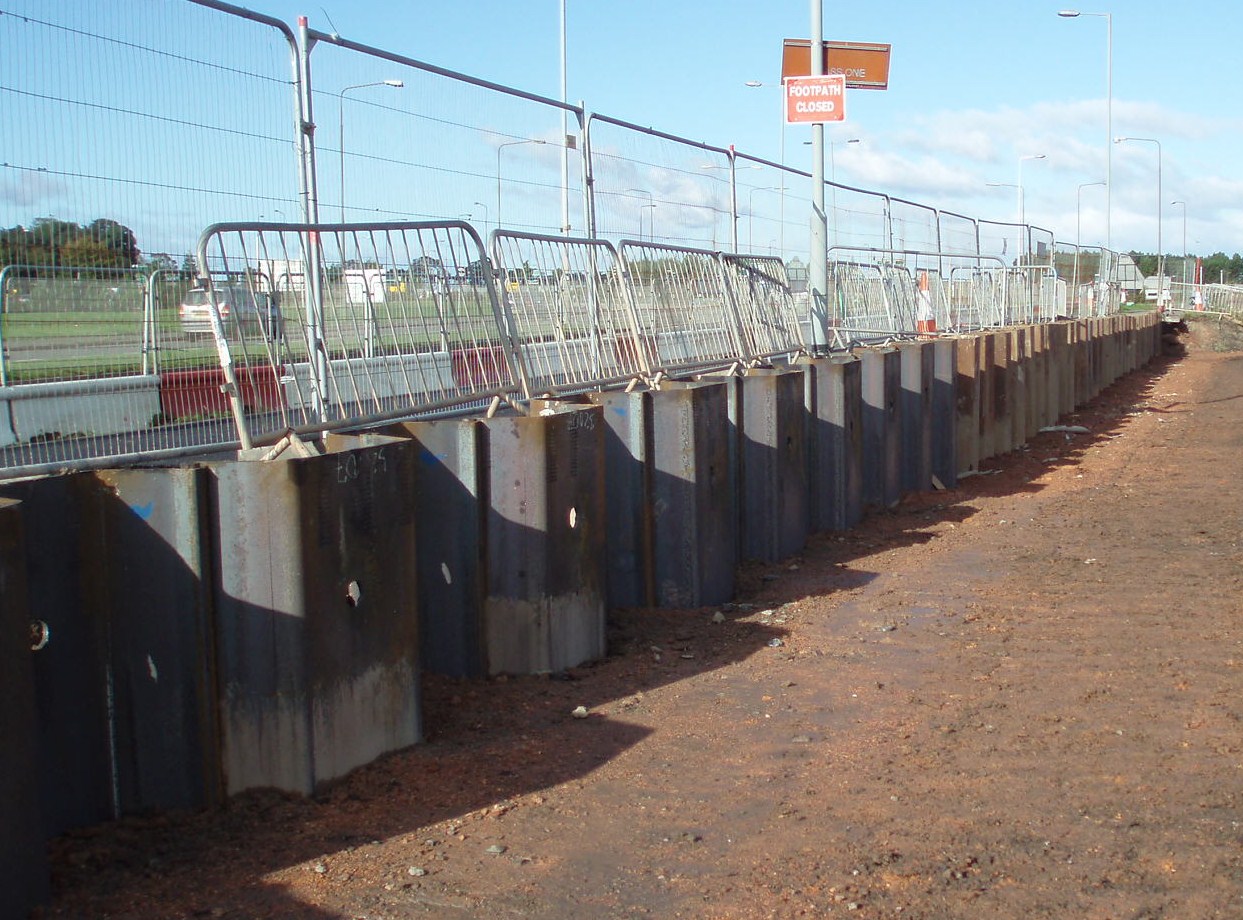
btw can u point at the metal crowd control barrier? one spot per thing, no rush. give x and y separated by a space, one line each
771 324
334 326
688 313
576 327
85 351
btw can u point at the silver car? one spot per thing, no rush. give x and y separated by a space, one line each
251 312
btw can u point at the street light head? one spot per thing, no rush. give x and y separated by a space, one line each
395 83
1119 140
754 83
1068 14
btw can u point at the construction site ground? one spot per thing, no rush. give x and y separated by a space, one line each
1017 698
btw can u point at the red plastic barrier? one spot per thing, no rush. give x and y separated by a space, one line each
198 393
481 367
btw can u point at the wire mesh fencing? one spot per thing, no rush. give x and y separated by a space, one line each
576 327
332 326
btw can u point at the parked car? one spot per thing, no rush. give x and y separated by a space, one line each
253 312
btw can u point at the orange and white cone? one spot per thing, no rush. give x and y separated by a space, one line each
925 319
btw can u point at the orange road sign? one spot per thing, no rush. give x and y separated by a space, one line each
814 100
865 65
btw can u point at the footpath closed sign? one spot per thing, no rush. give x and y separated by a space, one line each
813 100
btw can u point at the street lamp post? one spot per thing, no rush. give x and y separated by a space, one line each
1160 251
1184 204
1109 112
486 212
500 147
1079 229
832 158
651 223
1023 235
396 84
782 156
751 213
651 203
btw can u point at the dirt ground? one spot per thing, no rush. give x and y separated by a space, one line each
1018 698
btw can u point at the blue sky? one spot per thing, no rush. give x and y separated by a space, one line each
973 86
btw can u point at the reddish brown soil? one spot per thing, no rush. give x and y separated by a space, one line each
1018 698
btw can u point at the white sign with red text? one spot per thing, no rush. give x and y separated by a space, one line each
815 99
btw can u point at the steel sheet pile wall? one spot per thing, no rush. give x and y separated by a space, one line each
834 400
316 609
21 826
257 623
544 608
450 496
771 421
693 498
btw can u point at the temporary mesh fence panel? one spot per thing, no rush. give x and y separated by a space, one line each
769 319
83 355
575 328
677 189
399 320
682 306
858 223
402 140
131 128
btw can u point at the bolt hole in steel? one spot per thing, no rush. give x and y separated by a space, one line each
353 594
40 635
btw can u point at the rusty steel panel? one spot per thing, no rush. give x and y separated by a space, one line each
450 501
1003 388
71 673
917 370
316 606
834 399
1020 364
987 409
944 414
22 837
544 609
694 519
967 403
1067 389
882 426
627 445
152 593
773 456
1037 386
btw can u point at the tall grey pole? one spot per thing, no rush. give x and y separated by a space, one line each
565 130
818 274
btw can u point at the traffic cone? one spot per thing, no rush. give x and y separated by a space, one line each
925 320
